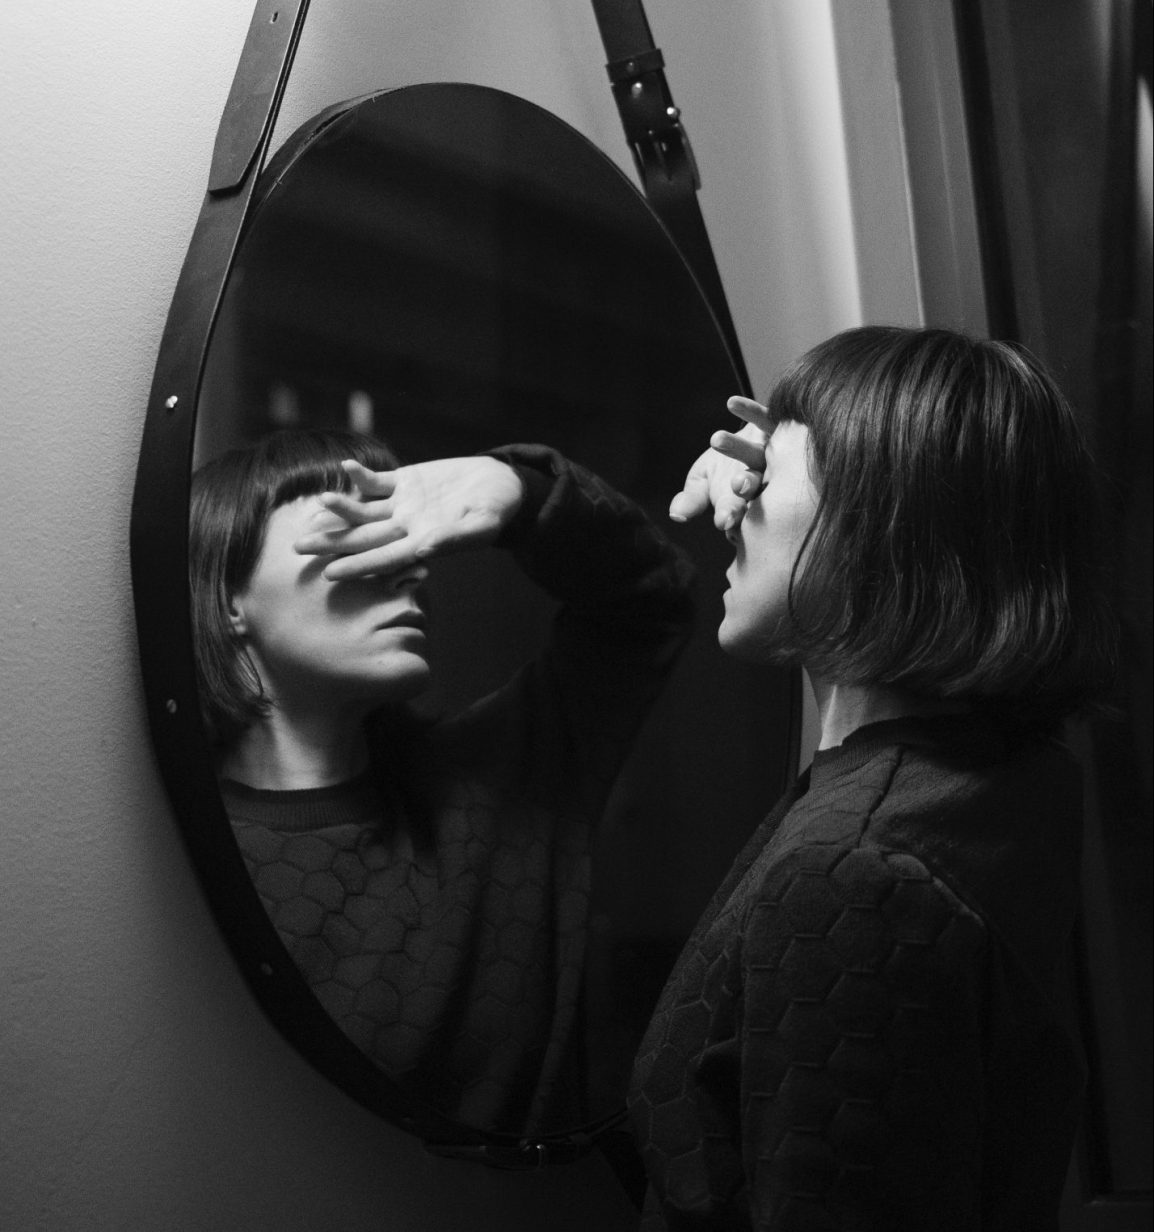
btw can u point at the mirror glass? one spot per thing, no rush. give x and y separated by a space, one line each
452 269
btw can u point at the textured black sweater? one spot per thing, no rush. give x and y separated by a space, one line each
868 1028
444 928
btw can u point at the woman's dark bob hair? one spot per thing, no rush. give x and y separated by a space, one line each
232 498
955 552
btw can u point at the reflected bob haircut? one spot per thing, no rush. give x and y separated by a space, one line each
955 551
232 498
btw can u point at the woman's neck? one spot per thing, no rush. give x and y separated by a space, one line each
843 708
279 754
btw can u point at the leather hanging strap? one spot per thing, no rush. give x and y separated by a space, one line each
661 150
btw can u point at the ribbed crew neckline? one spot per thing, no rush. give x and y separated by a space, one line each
355 801
969 737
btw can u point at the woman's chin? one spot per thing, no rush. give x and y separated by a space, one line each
730 637
405 680
752 645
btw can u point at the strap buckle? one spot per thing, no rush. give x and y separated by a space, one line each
652 122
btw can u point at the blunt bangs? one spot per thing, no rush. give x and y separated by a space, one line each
292 464
956 548
232 498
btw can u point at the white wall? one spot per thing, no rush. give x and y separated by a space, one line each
141 1087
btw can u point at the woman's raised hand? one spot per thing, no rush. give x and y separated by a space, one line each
728 475
395 519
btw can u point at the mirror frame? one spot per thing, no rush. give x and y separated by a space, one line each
159 562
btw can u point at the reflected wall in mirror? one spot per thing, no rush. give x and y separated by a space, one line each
452 269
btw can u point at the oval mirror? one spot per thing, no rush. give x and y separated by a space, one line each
452 269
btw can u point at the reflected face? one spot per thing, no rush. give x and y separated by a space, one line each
324 645
768 540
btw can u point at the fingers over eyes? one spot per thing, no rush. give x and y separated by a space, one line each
349 539
750 454
355 511
391 558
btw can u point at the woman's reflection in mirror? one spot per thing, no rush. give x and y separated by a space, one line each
869 1027
429 877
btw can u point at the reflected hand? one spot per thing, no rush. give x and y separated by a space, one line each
728 475
395 519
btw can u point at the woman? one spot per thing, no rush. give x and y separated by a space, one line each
431 880
869 1027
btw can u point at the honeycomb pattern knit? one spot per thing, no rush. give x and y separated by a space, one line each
448 939
868 1028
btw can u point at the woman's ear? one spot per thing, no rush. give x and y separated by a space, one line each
237 624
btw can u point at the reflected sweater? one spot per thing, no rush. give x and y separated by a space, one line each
867 1029
444 927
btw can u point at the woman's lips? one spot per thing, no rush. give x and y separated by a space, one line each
406 620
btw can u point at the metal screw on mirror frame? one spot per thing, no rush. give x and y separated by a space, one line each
170 402
170 705
638 88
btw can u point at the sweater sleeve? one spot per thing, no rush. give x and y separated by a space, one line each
860 1052
563 725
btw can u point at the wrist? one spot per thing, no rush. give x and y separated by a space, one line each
535 479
